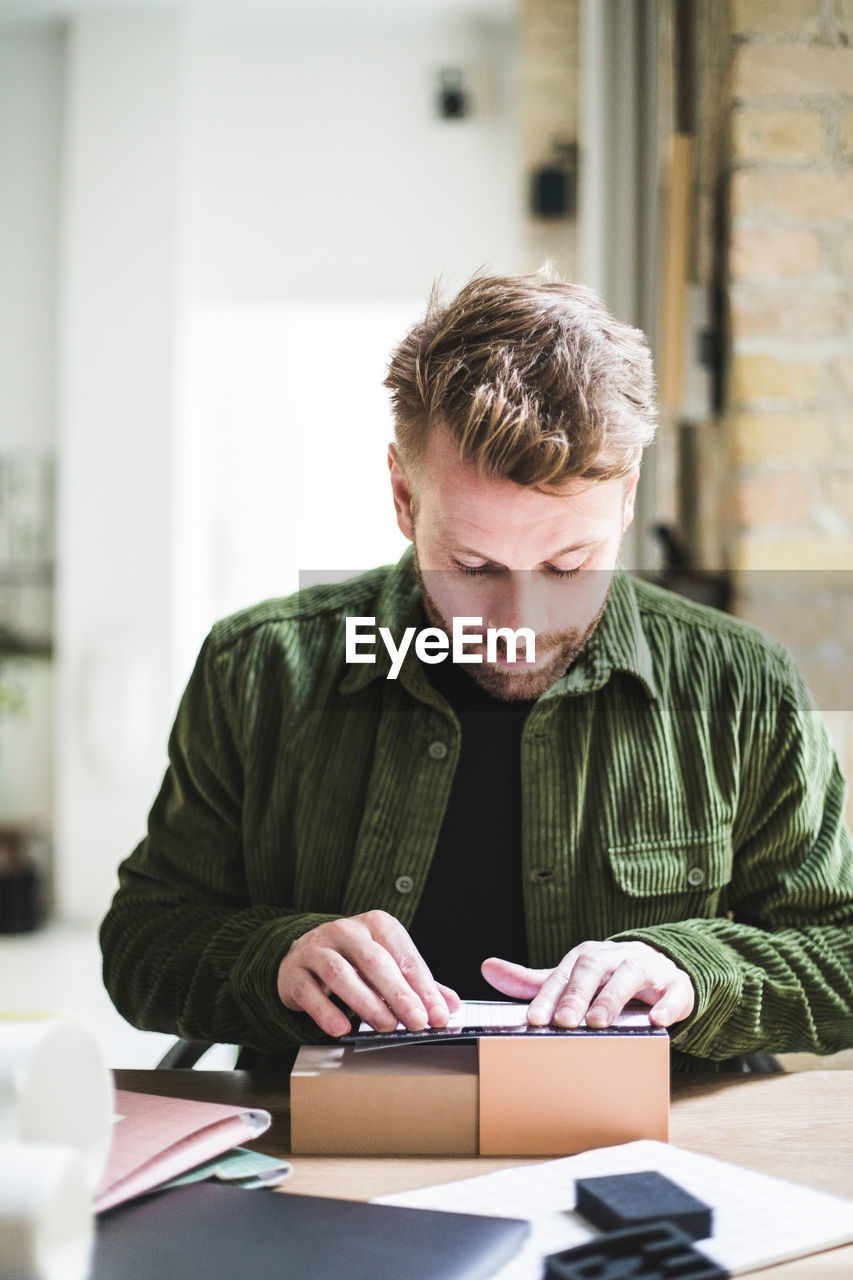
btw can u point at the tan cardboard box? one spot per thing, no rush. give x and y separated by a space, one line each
557 1095
409 1100
523 1095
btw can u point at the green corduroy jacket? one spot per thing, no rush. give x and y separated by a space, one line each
677 788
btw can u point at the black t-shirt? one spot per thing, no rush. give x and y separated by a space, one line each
472 905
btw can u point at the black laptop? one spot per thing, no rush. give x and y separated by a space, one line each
209 1232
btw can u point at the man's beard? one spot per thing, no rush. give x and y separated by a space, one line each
519 685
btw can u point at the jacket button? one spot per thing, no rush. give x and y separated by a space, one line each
543 875
438 750
404 884
695 877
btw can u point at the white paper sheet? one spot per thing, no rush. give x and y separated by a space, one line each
505 1013
758 1220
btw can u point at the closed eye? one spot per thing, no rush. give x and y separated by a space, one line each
481 570
562 573
474 571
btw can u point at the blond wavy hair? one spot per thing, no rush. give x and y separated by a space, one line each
533 378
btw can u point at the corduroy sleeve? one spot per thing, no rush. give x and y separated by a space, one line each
184 951
776 972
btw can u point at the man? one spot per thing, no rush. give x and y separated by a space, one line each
639 805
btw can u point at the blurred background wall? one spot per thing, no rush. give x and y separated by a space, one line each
217 218
789 288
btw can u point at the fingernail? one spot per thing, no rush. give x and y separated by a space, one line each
438 1015
537 1014
417 1019
566 1018
598 1016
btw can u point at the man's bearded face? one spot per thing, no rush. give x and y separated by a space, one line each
514 557
555 650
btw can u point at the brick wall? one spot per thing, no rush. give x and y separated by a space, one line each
767 491
789 421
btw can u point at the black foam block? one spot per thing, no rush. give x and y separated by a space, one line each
657 1251
631 1199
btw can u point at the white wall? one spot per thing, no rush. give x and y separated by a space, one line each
120 293
325 195
31 75
318 164
285 438
253 209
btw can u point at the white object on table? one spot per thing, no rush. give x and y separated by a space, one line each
507 1013
46 1219
55 1087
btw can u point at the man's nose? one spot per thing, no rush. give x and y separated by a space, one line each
519 601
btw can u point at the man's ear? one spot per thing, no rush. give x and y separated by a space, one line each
630 496
402 493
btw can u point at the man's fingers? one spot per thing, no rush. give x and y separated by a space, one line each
514 980
373 979
451 998
421 981
595 981
562 995
334 974
371 964
675 1004
656 981
327 971
306 995
554 995
581 974
648 977
628 979
429 1007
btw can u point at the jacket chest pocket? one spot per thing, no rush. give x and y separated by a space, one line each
671 880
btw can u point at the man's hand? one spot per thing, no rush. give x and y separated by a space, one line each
597 979
371 963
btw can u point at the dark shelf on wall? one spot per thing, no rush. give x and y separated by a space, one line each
19 576
15 645
26 575
705 586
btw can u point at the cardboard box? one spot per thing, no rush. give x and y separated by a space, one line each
411 1100
555 1096
503 1095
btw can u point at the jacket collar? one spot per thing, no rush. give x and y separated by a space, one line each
398 607
617 644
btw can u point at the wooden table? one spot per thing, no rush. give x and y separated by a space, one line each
798 1127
